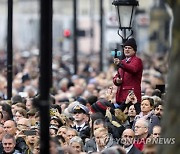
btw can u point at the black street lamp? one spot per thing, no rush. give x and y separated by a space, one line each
75 37
9 49
45 79
125 11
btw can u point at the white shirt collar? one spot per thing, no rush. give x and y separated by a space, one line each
127 59
82 125
97 147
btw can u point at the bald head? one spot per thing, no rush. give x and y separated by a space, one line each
156 131
127 137
10 127
23 123
128 131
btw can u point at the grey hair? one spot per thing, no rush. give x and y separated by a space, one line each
9 136
145 122
78 140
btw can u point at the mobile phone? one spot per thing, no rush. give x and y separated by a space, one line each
131 92
29 132
161 88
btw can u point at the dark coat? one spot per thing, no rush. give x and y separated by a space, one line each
84 132
14 152
21 145
134 150
115 131
131 74
90 146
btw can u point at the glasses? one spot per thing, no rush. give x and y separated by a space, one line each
78 112
24 125
139 127
127 48
156 134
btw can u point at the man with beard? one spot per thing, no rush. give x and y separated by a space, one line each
158 110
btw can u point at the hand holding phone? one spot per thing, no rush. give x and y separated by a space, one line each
132 97
131 92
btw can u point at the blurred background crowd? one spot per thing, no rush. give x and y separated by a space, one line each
87 99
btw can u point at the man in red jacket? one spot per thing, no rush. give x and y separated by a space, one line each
129 74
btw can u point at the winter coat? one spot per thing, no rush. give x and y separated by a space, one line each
84 132
134 150
14 152
90 145
131 73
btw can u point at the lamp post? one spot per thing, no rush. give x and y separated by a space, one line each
125 11
101 36
75 37
45 80
9 49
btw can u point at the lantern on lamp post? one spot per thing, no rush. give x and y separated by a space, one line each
125 11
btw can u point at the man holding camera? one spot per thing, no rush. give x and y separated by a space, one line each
129 74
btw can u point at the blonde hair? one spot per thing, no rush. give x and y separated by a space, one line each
97 131
21 105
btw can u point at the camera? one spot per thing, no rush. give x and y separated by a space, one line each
117 54
30 132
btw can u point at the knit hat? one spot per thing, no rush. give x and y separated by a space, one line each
131 42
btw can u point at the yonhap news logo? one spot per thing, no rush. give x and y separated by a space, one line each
160 140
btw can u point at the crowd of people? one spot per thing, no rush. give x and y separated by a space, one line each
117 111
